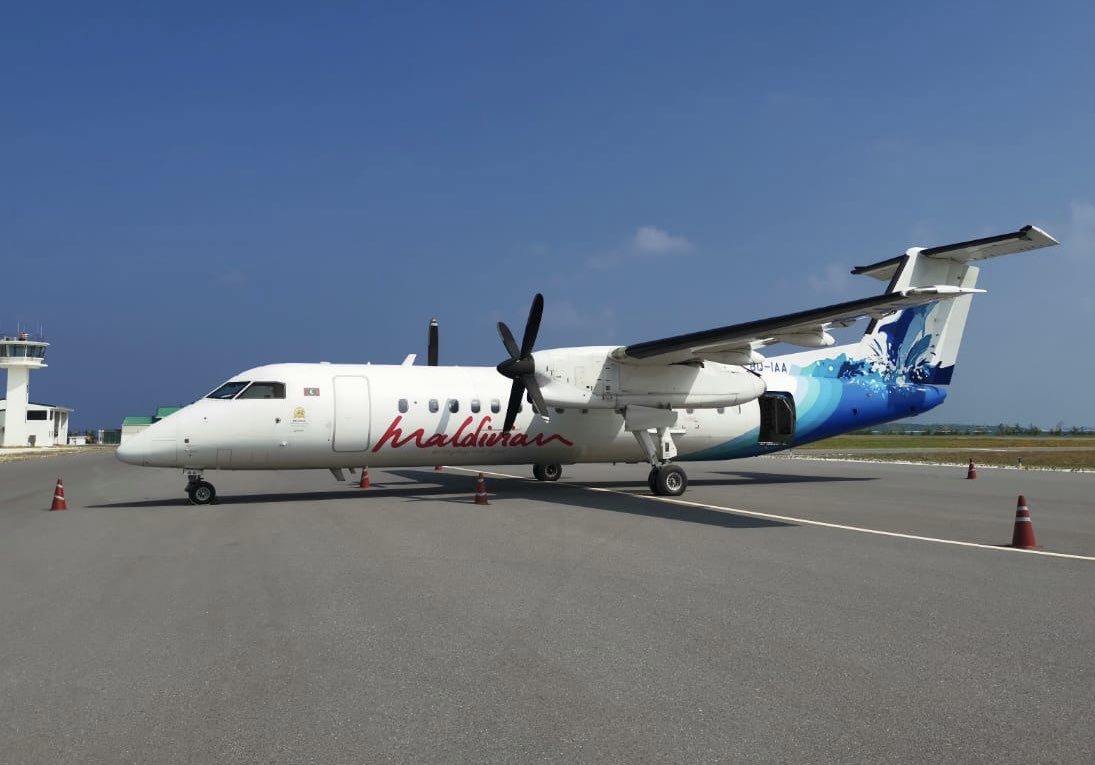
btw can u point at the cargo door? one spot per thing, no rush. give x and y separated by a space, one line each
777 418
351 414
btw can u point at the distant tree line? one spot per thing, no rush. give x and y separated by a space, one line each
951 429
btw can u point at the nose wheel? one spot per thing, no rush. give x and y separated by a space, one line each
200 492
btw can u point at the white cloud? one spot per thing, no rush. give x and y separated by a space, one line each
1081 232
1079 252
603 260
651 240
234 278
596 324
780 98
647 242
835 279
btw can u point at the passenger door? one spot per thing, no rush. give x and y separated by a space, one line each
351 427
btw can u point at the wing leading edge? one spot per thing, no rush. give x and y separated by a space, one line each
736 343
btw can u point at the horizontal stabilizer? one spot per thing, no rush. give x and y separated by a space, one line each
1026 238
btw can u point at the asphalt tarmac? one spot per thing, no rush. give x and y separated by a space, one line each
302 620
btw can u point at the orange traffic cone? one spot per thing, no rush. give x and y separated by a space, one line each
1023 536
481 491
59 497
364 483
972 472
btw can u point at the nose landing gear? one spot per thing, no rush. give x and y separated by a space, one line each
199 491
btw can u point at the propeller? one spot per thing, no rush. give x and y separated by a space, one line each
431 353
520 366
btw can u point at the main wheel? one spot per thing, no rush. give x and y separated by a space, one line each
201 492
651 480
550 472
670 481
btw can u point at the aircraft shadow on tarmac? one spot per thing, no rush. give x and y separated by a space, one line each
459 488
745 477
563 493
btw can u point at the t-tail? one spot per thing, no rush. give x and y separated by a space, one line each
919 345
906 358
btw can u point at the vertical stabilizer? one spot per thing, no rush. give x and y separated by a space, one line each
920 344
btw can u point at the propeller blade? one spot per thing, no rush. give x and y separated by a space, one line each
532 326
431 354
508 341
533 389
515 392
521 366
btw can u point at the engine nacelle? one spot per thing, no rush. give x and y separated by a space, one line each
589 378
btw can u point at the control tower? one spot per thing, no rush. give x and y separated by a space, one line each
19 355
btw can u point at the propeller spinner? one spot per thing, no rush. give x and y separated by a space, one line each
520 366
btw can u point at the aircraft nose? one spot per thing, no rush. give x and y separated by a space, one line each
127 452
155 446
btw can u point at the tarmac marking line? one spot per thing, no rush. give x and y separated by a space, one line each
794 519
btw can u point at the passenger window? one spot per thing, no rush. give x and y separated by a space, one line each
402 406
228 390
495 407
264 390
454 405
475 406
433 406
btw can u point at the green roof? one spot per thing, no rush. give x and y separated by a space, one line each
163 411
136 420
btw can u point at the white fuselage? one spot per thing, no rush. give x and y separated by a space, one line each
354 415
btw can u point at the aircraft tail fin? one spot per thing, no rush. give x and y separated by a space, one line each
920 344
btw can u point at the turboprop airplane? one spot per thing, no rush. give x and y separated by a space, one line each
707 395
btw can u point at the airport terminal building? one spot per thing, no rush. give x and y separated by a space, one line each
46 425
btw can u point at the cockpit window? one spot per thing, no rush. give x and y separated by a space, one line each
229 389
264 390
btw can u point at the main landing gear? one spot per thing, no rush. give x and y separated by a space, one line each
550 472
653 429
200 492
667 480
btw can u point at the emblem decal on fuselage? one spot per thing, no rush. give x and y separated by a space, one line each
311 391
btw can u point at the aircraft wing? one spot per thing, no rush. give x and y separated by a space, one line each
737 343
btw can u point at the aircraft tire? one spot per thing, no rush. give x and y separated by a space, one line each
201 492
670 481
549 472
651 480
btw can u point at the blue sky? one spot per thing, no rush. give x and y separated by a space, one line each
190 190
